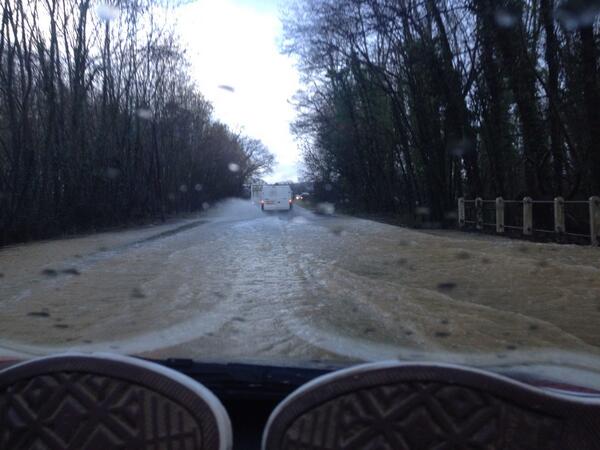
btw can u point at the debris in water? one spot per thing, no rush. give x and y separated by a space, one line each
442 334
71 271
511 347
61 325
463 255
38 314
448 286
337 230
49 272
137 293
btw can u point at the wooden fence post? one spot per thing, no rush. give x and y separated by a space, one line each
559 216
527 216
461 212
499 215
595 220
479 213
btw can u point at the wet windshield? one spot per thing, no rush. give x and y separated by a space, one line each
303 180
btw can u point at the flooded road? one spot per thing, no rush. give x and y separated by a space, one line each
238 284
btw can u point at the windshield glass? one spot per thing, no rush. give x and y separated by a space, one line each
302 181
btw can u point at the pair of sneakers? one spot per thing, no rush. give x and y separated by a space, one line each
109 401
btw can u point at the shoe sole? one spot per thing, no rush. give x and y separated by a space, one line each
394 406
107 402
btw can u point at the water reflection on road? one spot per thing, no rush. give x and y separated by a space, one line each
236 283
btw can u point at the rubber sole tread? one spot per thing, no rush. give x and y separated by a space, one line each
87 403
429 407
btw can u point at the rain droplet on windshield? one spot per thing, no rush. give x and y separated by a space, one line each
574 14
233 167
326 208
107 12
328 187
183 188
198 187
205 206
506 17
144 113
423 211
226 87
112 173
461 147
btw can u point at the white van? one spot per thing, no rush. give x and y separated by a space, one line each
276 197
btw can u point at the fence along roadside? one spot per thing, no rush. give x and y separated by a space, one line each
527 227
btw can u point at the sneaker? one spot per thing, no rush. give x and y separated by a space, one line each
395 406
105 401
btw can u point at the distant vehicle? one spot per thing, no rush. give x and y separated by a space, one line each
276 197
305 195
299 197
256 193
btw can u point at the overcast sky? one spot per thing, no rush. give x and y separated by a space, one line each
235 43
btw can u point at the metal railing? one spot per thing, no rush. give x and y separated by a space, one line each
477 209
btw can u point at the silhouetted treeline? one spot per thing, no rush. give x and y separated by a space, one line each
100 123
414 103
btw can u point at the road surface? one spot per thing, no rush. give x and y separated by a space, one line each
238 284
